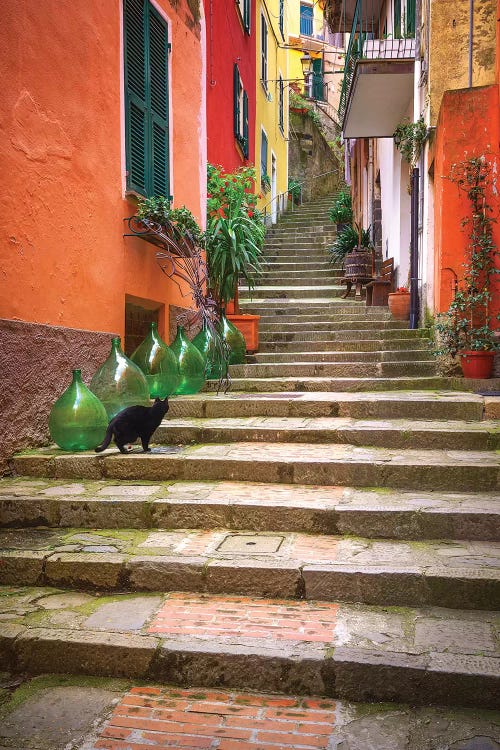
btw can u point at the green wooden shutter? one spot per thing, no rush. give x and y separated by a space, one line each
158 87
136 116
410 18
263 154
282 18
246 15
236 101
245 125
317 79
397 19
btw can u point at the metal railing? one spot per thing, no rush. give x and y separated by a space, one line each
367 41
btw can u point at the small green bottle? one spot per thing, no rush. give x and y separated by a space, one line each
77 421
158 363
119 383
191 364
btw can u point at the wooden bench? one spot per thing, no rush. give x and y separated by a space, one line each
378 290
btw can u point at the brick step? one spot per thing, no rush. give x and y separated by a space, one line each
315 326
365 344
302 384
340 650
460 574
254 506
333 369
361 405
397 433
410 355
292 463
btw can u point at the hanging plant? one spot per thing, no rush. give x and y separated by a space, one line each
409 138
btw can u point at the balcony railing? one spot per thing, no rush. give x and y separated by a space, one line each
366 42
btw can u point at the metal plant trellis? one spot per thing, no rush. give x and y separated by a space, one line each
181 259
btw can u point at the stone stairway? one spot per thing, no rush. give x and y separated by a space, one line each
329 527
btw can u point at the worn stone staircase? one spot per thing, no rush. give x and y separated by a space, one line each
328 527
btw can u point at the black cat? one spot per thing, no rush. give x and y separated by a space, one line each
134 422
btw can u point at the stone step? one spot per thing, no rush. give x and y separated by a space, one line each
385 332
286 306
459 574
298 266
332 369
273 279
345 345
300 292
397 433
410 355
303 384
445 405
412 654
372 513
277 317
316 326
301 463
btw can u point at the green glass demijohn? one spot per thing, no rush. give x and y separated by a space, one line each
158 363
205 342
191 364
77 421
234 339
119 383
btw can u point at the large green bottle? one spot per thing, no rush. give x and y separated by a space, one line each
158 363
77 421
191 364
211 351
234 339
119 383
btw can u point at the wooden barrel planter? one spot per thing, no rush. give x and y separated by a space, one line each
358 265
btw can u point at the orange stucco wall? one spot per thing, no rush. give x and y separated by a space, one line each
468 126
64 260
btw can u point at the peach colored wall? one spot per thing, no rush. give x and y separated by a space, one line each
63 258
468 126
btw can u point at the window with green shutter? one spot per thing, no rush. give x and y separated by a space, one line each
397 19
410 18
281 104
146 99
240 111
282 18
263 51
263 154
244 8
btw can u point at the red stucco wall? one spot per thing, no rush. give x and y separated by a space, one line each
227 44
64 260
468 126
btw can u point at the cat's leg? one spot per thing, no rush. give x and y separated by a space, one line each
145 445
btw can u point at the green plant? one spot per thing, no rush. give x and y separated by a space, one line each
341 211
346 241
409 137
296 101
467 324
158 211
235 231
265 182
294 190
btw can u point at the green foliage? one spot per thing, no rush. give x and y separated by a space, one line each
346 241
265 182
296 101
235 231
341 211
409 138
467 324
294 190
158 211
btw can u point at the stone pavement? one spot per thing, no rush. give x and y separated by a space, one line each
325 535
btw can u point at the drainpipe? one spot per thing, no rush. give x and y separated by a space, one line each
371 186
471 38
414 301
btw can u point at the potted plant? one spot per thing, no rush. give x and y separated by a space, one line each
399 303
298 104
341 211
158 210
234 238
346 241
467 328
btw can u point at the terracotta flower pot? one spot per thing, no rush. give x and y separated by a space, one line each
477 364
399 305
249 327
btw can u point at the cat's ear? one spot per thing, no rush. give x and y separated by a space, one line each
157 400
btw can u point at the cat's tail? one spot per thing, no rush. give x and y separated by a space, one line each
107 439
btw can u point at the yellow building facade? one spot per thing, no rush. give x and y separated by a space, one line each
271 123
305 33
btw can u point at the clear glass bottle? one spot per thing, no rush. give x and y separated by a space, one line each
119 383
78 420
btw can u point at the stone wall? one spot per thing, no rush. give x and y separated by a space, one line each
309 156
35 368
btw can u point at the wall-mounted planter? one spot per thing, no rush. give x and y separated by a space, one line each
249 327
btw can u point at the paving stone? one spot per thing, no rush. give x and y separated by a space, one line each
128 614
84 570
64 601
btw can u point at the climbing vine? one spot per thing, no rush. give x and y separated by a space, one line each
409 138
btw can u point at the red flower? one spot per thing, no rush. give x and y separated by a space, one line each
259 196
250 214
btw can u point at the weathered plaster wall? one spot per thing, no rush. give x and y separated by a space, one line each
449 47
35 368
310 156
469 126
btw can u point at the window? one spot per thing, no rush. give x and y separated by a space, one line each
410 18
263 51
146 99
282 18
240 110
281 104
397 19
317 88
263 155
306 19
244 8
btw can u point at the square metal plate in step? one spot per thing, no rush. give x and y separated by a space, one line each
250 544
